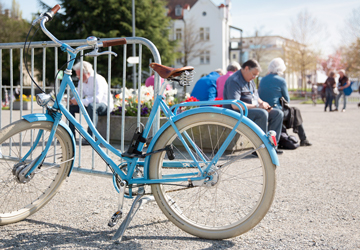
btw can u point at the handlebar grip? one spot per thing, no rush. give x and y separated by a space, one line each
114 42
55 9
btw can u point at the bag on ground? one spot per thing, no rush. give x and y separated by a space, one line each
288 141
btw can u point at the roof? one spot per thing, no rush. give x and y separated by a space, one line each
183 3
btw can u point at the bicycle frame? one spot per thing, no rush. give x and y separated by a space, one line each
133 162
208 149
58 109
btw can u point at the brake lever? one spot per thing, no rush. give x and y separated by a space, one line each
38 19
95 53
93 41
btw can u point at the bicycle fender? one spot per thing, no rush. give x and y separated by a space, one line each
46 117
223 111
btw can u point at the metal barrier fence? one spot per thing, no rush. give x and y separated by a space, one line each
83 162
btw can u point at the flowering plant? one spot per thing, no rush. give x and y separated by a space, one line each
189 98
25 98
146 101
218 99
194 99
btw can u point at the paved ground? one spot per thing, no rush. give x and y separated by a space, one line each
316 205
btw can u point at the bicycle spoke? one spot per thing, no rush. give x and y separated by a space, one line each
19 196
234 186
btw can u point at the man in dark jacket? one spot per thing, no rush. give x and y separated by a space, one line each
240 86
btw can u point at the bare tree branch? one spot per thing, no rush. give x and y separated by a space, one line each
192 44
306 31
353 24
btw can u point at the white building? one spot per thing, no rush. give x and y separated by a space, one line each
264 49
202 29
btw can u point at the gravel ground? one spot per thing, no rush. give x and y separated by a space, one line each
316 205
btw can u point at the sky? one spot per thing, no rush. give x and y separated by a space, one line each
274 17
270 17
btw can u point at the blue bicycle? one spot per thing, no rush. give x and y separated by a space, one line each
211 170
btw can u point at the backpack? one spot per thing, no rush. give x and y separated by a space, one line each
348 90
287 141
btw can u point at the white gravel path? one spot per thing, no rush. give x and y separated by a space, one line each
317 203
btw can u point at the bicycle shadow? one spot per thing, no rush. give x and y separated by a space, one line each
59 236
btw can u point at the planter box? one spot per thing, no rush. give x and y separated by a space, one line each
26 105
130 126
115 127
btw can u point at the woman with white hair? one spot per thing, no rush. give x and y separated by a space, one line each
272 88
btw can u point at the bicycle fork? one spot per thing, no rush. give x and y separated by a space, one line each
25 174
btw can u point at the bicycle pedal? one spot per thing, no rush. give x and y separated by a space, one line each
115 218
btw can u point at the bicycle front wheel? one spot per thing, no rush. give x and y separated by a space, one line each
18 200
241 188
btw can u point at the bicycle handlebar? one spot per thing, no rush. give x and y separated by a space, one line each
114 42
55 9
47 16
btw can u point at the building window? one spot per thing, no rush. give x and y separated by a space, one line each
178 34
234 56
205 57
204 13
178 10
204 34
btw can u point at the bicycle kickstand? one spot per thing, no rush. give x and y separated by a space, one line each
118 214
138 202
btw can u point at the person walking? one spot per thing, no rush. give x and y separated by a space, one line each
329 90
344 82
314 92
272 88
240 86
101 95
220 82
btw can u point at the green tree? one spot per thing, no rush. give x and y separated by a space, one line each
351 58
13 29
111 18
15 10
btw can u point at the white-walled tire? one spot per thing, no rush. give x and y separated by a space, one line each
242 192
20 200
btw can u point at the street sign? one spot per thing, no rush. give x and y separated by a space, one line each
133 59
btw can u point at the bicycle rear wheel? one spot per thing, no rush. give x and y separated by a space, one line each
19 200
239 194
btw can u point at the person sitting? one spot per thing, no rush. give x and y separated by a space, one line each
205 87
101 95
272 88
240 86
220 82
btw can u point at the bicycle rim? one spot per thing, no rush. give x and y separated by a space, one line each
240 193
19 200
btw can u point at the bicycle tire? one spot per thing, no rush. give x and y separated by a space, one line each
220 211
20 200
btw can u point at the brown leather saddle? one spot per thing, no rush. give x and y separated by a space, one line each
168 72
